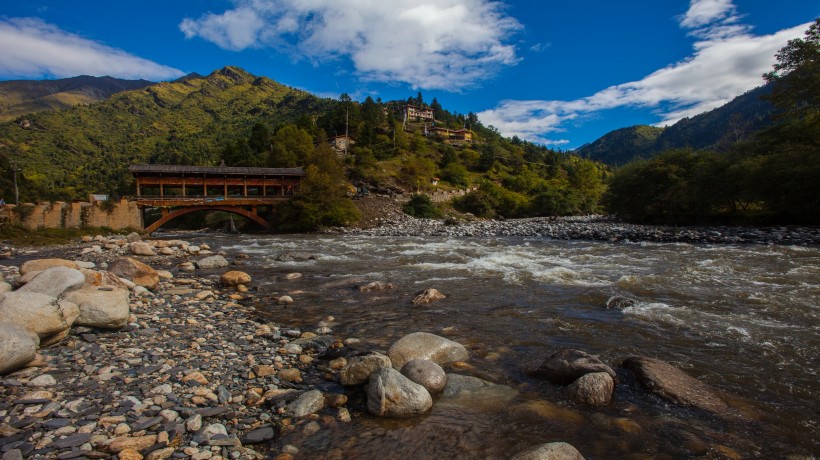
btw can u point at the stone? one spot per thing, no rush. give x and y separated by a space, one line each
550 451
129 454
292 276
258 436
161 454
358 368
133 237
594 389
390 394
294 256
132 442
55 281
136 271
290 375
307 403
107 309
18 346
186 266
216 261
40 313
428 296
102 278
54 338
141 249
476 394
166 251
5 287
427 374
38 265
284 300
376 286
423 345
193 423
45 380
235 278
674 385
214 429
567 365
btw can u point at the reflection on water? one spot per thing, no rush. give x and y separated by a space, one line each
742 318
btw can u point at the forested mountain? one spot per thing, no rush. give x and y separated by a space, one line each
19 97
718 129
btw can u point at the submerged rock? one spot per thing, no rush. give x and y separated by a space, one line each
568 365
674 385
476 394
428 296
390 394
550 451
423 345
594 389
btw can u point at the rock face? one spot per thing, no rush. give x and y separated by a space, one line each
567 365
216 261
38 265
358 368
136 271
428 296
39 313
18 346
594 389
672 384
390 394
423 345
427 374
235 278
550 451
101 308
55 281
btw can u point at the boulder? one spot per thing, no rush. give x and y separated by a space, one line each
38 265
376 286
594 389
55 281
428 296
5 287
18 346
474 393
141 249
307 403
284 300
567 365
235 278
390 394
294 256
216 261
423 345
39 313
550 451
358 368
133 237
102 278
674 385
105 308
136 271
427 374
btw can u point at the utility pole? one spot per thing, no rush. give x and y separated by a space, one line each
16 192
347 139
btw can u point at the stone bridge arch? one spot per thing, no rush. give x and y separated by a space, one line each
167 217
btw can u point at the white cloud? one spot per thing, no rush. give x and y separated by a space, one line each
727 61
434 44
30 47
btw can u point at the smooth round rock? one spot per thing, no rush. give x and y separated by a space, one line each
427 374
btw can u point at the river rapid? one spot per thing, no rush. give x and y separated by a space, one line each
742 318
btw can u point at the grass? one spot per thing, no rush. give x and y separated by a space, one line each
20 236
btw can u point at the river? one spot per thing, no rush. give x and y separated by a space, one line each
743 318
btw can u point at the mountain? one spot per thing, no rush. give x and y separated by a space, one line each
19 97
717 129
87 149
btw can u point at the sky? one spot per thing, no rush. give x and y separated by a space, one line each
557 73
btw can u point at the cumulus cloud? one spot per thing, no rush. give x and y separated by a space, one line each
433 44
727 60
30 47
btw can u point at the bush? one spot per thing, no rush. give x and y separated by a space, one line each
420 206
477 203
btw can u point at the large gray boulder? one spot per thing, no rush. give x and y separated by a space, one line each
18 346
38 265
594 389
358 368
390 394
674 385
423 345
550 451
40 313
216 261
427 374
55 281
102 308
567 365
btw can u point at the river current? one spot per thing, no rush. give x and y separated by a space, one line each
744 319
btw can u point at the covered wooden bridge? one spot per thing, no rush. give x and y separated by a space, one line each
179 190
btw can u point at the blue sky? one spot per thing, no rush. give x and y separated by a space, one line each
557 73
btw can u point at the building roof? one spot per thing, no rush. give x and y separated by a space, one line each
215 170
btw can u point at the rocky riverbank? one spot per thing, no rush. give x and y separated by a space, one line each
596 228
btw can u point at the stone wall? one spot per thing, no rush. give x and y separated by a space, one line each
116 216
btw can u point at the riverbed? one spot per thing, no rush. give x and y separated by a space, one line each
742 318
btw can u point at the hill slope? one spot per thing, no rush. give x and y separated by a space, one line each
717 129
19 97
71 153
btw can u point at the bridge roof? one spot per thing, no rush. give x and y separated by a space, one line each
215 170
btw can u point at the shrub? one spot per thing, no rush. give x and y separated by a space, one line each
421 206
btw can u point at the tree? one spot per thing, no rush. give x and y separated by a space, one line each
291 147
797 75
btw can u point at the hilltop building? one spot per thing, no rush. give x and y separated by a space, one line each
413 113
